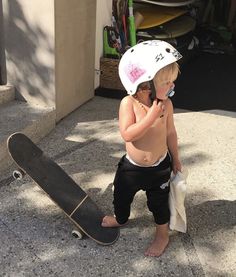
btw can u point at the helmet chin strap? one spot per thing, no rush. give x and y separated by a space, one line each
153 91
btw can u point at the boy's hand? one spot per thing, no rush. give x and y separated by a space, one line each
176 164
157 109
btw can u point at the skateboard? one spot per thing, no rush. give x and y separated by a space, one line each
173 29
157 15
61 188
167 3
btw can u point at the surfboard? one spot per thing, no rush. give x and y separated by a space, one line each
172 29
154 16
167 3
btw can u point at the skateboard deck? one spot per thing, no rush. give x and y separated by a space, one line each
61 188
154 16
173 29
167 3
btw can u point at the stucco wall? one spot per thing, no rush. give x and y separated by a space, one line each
29 42
50 51
75 53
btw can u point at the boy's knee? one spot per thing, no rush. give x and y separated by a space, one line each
155 202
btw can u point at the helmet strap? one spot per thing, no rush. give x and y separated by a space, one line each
153 91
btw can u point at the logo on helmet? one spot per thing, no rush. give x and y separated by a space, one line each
159 57
177 55
134 72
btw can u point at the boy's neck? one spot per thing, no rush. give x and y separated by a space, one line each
143 98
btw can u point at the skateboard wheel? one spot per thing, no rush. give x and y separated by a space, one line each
18 174
77 234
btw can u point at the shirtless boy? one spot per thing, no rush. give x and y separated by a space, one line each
148 130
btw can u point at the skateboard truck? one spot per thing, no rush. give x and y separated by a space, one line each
18 174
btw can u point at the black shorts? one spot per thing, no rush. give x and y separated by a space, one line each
130 178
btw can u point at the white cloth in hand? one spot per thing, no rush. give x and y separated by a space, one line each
178 220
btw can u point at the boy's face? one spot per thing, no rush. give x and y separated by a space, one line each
164 83
162 89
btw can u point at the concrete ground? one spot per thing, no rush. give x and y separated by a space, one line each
35 234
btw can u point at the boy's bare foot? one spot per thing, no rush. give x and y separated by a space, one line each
110 221
159 243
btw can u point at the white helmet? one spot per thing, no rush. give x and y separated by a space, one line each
141 62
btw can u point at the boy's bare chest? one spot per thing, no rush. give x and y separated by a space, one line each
158 128
154 139
160 122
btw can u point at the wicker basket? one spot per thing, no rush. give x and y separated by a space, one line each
109 77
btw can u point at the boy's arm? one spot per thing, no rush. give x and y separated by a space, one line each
130 129
172 141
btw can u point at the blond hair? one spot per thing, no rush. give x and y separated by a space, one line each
167 73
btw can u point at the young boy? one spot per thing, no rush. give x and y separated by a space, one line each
148 130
